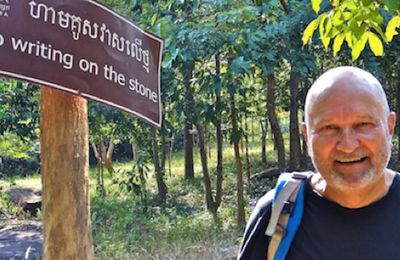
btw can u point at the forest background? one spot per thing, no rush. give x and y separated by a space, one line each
234 79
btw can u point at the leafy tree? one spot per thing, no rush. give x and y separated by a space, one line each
19 108
356 22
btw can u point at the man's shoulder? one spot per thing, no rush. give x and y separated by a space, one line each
267 199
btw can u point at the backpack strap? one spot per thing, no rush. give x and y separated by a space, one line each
287 190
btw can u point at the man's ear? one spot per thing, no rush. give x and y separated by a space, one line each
304 131
391 122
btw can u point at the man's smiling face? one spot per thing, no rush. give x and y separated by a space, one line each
349 134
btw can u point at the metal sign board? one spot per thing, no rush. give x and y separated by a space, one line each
84 48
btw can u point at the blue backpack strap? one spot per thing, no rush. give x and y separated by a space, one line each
287 210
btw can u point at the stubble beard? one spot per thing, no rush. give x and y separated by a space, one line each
338 180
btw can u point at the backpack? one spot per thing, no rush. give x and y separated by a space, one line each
275 219
286 213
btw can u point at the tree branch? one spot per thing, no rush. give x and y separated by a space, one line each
285 6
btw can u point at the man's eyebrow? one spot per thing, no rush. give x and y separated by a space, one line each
326 121
322 121
366 117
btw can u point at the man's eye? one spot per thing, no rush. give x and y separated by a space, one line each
364 125
328 129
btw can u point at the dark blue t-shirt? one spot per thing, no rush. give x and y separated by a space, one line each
330 231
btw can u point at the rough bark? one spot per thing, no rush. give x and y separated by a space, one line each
189 110
295 151
161 186
64 144
273 120
241 221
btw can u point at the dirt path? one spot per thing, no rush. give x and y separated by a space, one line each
20 239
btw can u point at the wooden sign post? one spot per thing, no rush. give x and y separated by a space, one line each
83 48
65 175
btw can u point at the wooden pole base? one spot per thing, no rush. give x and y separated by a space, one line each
64 169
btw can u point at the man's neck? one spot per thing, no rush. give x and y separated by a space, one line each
354 198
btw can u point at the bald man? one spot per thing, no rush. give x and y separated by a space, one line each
352 200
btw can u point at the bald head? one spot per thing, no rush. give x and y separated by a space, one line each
345 80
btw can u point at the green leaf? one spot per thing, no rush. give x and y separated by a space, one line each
337 44
196 5
359 46
316 5
309 31
349 39
351 5
322 33
328 26
379 30
393 5
335 3
366 2
337 19
153 20
347 15
375 44
325 41
393 24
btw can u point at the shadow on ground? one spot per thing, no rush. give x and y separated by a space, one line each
21 239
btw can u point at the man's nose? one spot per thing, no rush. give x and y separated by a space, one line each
348 141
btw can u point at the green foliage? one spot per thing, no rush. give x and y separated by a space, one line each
8 209
11 146
356 21
19 108
134 181
391 28
316 5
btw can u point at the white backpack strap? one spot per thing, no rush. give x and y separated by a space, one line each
291 185
279 217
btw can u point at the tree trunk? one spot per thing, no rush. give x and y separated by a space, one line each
100 185
252 129
189 110
398 114
206 177
171 149
219 137
241 221
246 144
264 141
64 146
273 120
207 141
162 188
164 151
104 155
134 151
284 6
295 152
304 151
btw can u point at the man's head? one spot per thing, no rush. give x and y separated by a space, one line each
348 127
